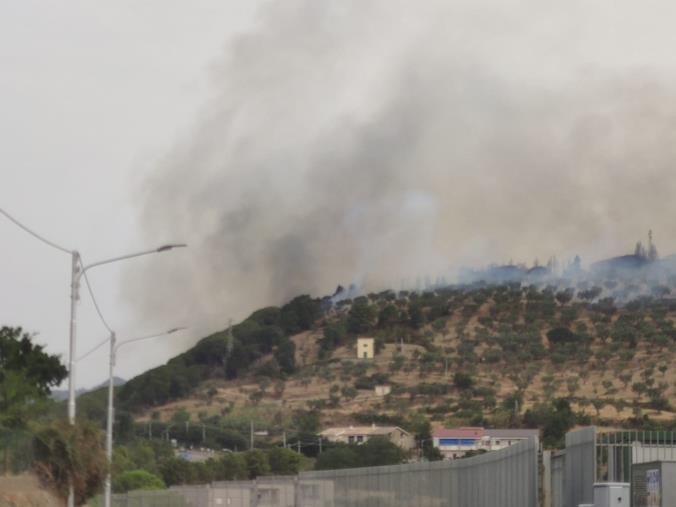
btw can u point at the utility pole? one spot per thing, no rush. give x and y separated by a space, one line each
229 343
251 446
77 272
320 445
284 438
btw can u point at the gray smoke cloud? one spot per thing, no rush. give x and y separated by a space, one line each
378 140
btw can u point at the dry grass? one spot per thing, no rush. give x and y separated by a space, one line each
25 491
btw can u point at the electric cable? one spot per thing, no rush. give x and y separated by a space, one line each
33 233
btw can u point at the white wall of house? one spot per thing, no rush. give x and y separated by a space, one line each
458 447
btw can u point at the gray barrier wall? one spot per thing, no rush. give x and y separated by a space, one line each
557 487
506 478
145 499
580 470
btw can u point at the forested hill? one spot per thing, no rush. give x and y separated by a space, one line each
480 354
228 354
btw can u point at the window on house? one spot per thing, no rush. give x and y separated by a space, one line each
360 439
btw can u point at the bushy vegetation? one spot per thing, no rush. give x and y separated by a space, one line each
133 480
227 354
464 345
376 451
65 454
510 355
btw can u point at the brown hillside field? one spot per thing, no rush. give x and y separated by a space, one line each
605 379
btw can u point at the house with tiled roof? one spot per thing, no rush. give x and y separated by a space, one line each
361 434
457 442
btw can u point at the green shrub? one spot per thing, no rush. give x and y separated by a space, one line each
463 381
74 454
137 479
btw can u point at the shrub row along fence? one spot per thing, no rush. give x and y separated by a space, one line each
506 478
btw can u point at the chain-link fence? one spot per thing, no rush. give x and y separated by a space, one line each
16 451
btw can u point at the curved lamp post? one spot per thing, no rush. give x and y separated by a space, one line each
114 347
78 270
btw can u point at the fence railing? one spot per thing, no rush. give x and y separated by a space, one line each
616 452
591 457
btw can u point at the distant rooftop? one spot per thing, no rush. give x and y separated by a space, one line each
360 430
513 433
476 432
468 432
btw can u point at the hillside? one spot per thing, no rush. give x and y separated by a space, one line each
25 490
493 355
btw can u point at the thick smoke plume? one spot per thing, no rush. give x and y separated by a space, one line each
374 141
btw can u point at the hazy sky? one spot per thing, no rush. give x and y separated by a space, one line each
374 141
318 142
92 94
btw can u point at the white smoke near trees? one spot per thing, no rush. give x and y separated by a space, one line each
378 140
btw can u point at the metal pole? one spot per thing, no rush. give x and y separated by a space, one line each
74 297
251 446
109 422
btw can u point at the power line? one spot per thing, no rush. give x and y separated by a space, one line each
33 233
96 305
65 250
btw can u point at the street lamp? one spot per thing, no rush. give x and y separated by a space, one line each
79 270
114 347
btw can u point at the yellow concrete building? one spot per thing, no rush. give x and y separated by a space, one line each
365 348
